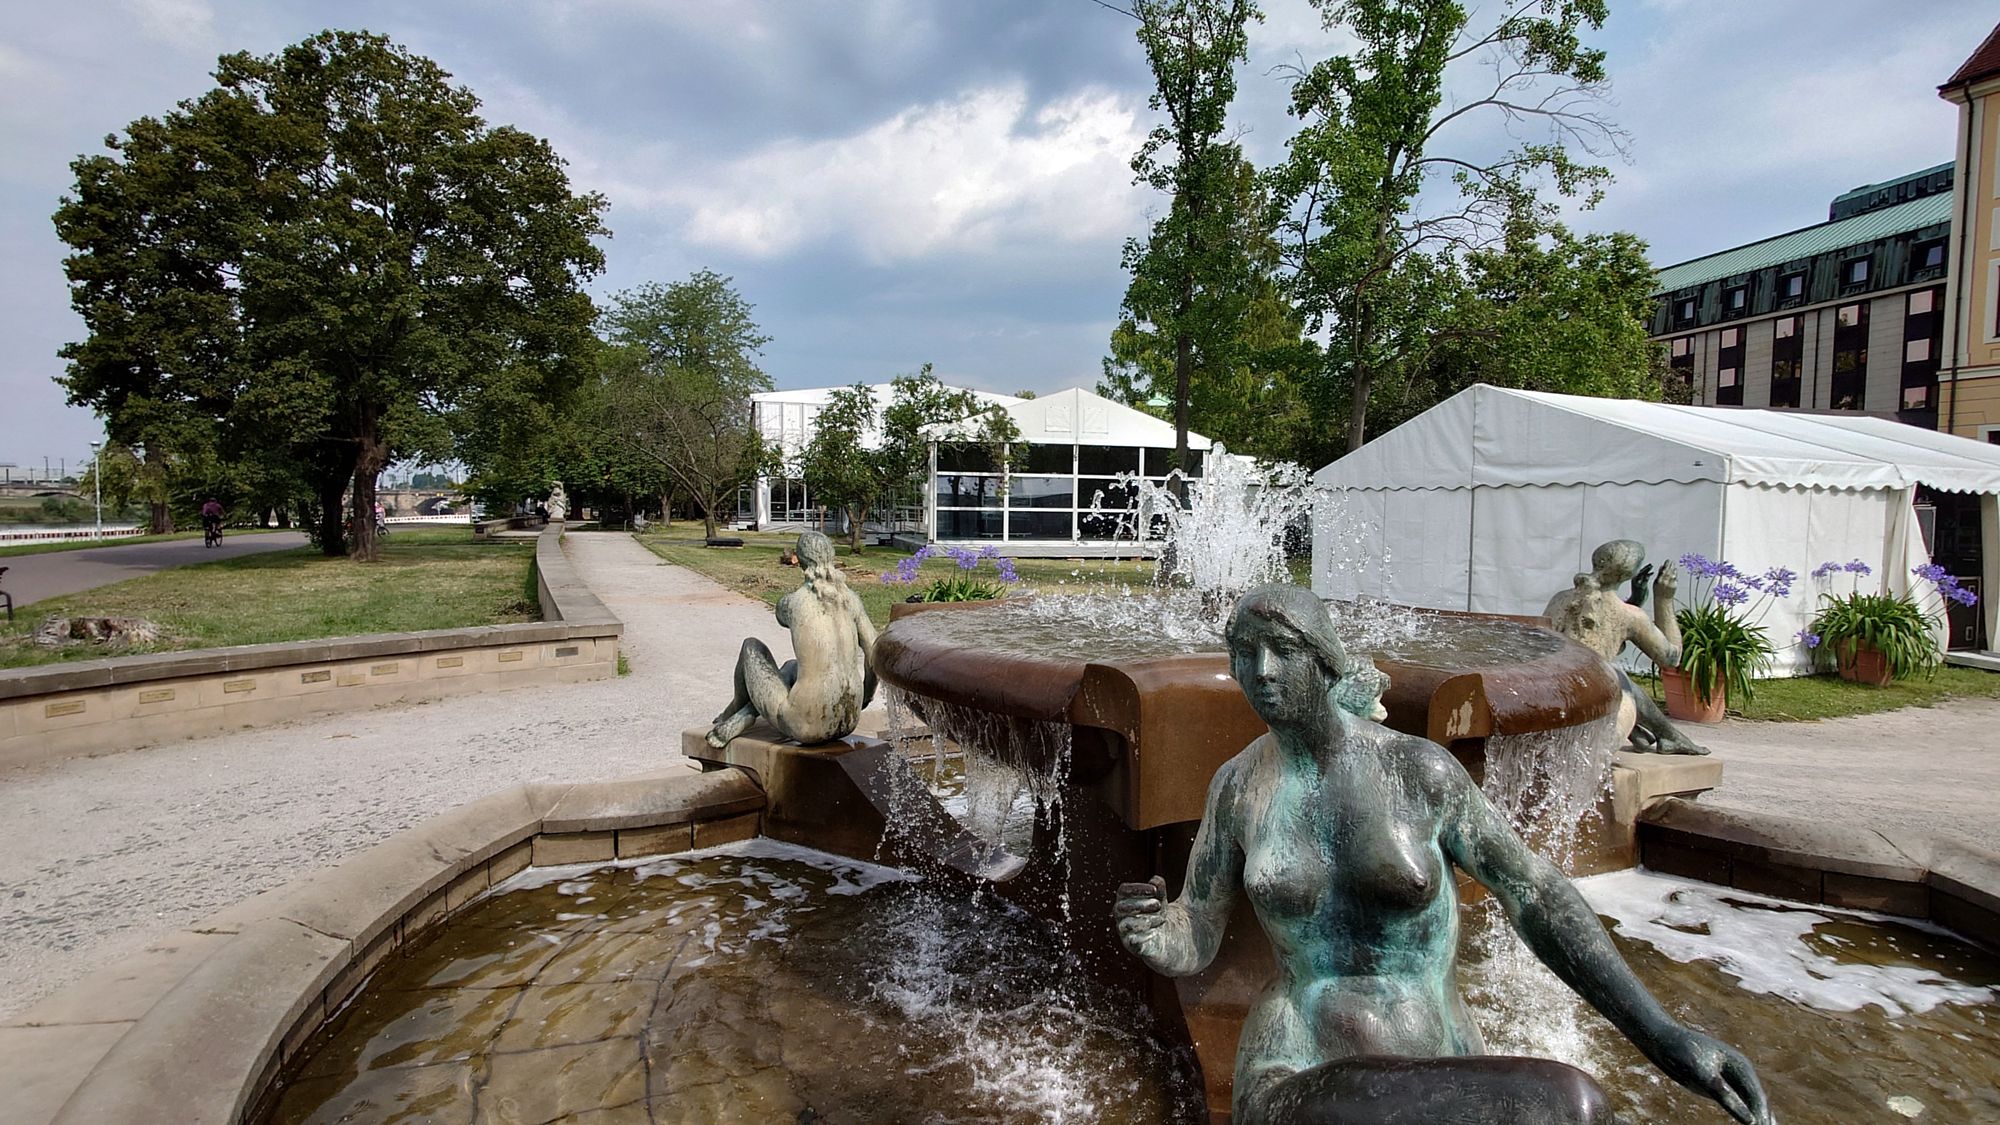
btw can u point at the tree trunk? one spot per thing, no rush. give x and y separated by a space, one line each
160 520
371 456
667 508
856 517
1357 408
708 516
332 531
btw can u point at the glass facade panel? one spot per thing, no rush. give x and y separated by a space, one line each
965 457
967 525
1107 460
1104 525
1100 492
959 491
1038 525
1030 458
1041 492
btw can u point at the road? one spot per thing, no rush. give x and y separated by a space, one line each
31 578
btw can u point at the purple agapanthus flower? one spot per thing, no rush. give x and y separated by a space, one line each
1856 566
1822 570
1961 595
1730 594
1808 638
1931 572
1778 581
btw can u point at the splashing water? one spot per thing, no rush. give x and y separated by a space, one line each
1548 784
1230 534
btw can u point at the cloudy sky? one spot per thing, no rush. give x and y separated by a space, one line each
893 182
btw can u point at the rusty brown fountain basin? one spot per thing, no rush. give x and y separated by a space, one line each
1154 723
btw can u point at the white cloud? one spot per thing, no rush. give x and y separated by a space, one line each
187 23
960 175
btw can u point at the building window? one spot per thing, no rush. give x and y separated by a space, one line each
1854 271
1684 311
1680 359
1923 332
1729 367
1928 255
1850 357
1735 300
1787 347
1792 286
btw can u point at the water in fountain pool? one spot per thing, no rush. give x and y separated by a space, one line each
760 982
755 982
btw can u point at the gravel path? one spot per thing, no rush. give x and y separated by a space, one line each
103 853
1922 769
51 574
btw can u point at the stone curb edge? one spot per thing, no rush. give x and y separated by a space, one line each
198 1027
1907 874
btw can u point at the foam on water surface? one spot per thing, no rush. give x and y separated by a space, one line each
1802 953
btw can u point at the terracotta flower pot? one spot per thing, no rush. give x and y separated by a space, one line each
1863 664
1684 704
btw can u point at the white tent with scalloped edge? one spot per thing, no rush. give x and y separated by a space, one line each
1493 500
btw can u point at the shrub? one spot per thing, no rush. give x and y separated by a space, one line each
1723 644
963 586
1895 625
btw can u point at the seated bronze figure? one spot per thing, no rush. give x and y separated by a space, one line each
1343 833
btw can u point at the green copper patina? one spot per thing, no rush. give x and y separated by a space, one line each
1343 834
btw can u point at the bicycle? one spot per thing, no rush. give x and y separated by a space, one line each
211 533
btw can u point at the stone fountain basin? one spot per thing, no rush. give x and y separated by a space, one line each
1173 719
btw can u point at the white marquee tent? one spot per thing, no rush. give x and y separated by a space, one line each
1493 499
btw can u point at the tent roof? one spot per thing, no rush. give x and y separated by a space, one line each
1488 435
1077 416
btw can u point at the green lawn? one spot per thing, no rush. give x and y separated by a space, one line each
427 579
1830 697
122 541
754 568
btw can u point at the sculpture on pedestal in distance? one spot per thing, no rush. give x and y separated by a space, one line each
1592 614
819 695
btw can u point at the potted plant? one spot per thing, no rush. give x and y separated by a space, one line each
1879 638
962 586
1723 644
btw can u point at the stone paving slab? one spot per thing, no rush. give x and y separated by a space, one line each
104 854
1923 771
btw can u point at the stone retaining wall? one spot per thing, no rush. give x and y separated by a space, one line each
197 1028
97 706
1816 861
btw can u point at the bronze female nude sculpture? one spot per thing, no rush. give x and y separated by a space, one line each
1343 833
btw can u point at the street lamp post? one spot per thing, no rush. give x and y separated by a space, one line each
97 484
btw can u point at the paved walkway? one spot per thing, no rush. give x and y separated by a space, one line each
100 853
1922 769
51 574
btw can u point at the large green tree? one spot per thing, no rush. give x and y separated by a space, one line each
865 453
677 384
1192 276
1377 260
326 256
1247 355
